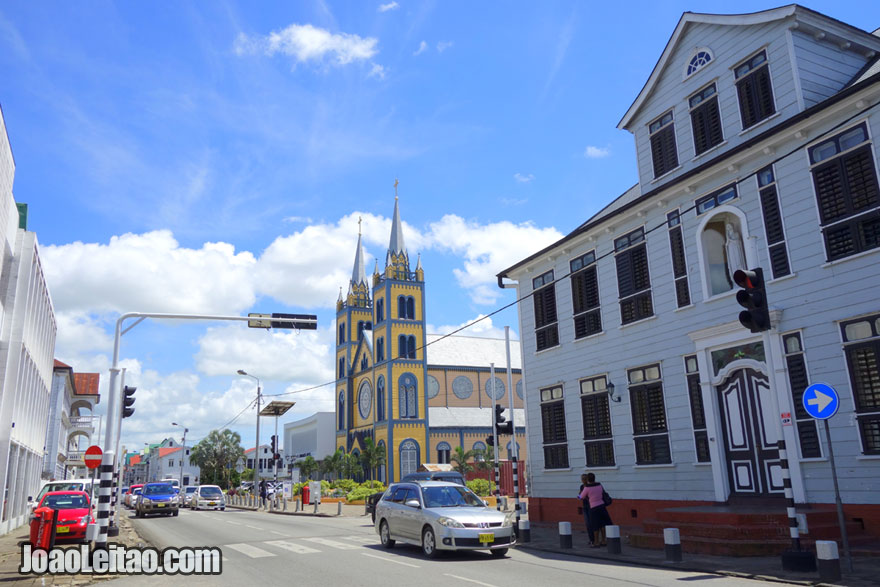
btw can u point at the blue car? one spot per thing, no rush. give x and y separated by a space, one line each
157 498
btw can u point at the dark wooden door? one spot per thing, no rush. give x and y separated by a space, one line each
750 434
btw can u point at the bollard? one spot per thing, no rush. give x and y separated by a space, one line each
523 507
316 507
271 505
828 560
565 534
525 534
296 505
612 538
338 508
284 501
672 540
504 502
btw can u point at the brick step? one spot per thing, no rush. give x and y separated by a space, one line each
768 531
860 546
736 518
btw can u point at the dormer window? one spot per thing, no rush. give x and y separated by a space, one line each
663 152
754 90
698 61
705 119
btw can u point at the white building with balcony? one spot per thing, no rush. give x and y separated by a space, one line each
27 347
72 423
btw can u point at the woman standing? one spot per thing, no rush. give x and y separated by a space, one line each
598 516
585 502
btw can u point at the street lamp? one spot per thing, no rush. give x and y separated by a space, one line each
257 449
183 452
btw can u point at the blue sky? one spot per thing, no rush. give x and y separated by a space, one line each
215 157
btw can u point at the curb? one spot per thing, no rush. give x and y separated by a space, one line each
670 565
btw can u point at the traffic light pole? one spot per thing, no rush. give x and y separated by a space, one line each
495 441
114 412
514 452
274 452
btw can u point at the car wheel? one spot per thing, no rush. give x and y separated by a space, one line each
385 535
222 509
138 514
429 543
498 552
373 515
175 513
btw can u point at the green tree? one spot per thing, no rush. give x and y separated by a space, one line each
351 463
483 459
216 454
333 463
307 467
461 457
372 458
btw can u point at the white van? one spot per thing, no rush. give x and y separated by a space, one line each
62 485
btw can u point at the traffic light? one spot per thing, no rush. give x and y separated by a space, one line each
274 445
128 401
753 297
502 426
490 440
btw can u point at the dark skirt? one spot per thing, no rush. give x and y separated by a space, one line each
598 518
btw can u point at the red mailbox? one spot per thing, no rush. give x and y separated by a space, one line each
43 528
305 494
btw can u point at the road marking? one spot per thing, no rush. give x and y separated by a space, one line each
292 546
250 550
363 539
389 560
469 580
233 523
332 543
279 533
252 527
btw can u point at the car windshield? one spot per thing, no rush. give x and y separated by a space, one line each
59 486
210 492
137 490
66 502
191 490
446 497
158 489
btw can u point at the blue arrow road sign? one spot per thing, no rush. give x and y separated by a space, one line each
821 401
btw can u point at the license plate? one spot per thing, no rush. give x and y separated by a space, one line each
160 505
212 503
62 529
486 538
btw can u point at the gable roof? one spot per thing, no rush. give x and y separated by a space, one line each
471 351
167 451
87 383
814 21
134 460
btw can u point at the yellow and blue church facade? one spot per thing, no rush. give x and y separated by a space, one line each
416 395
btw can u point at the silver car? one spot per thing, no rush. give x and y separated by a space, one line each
442 516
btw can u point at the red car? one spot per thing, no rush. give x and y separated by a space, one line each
74 514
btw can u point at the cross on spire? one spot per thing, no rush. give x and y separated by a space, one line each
360 219
396 183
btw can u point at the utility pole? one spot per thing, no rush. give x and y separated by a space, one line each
495 440
514 452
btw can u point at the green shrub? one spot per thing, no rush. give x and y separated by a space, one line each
346 485
482 487
325 487
376 486
361 493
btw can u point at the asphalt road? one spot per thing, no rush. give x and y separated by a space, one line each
261 549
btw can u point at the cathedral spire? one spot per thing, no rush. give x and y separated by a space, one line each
358 273
396 246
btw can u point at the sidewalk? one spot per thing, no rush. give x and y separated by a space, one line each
10 558
545 537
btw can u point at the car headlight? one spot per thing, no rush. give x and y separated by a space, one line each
508 520
449 522
146 500
85 520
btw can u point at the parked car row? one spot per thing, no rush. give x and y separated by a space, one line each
163 498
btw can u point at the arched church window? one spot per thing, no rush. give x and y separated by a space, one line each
409 457
380 398
380 310
406 391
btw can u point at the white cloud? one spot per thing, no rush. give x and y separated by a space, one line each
487 249
377 71
423 46
296 219
482 327
279 355
443 46
592 152
148 272
307 43
389 6
520 178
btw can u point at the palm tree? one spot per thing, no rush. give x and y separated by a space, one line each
215 453
483 459
372 457
307 466
350 464
461 457
333 463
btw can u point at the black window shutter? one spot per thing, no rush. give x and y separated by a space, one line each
706 123
861 179
641 278
625 283
745 93
765 93
830 191
772 215
663 153
676 244
864 365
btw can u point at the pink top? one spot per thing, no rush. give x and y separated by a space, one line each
594 494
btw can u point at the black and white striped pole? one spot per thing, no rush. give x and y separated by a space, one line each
495 440
104 489
790 507
672 544
612 537
514 451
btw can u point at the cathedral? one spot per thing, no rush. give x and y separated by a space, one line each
417 395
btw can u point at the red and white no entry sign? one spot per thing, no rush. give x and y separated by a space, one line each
92 457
